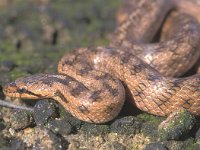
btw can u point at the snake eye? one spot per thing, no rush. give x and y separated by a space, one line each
21 90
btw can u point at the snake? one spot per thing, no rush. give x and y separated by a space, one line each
93 83
175 54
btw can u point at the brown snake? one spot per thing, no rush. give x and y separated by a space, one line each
93 82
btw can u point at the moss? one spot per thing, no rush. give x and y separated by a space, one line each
16 74
94 129
62 112
135 147
190 144
149 118
177 125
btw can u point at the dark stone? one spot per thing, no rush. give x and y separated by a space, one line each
1 93
59 142
21 119
61 126
94 129
177 125
118 146
197 135
188 144
126 125
2 125
7 65
43 111
16 144
67 117
4 142
150 129
55 118
155 146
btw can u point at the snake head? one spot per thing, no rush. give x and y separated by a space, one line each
31 87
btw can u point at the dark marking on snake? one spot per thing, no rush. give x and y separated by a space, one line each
103 76
78 90
153 77
62 97
83 109
96 95
85 70
68 62
113 91
50 80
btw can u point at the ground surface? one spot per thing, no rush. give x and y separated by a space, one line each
33 36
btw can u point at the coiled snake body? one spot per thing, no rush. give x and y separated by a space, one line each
92 82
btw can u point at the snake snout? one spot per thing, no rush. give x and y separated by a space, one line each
10 89
18 89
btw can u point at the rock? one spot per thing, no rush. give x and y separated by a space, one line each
4 142
55 118
7 65
118 146
56 142
126 125
1 94
150 126
94 129
60 126
155 146
177 125
188 144
2 126
21 119
150 129
43 138
16 144
67 117
74 144
43 111
197 135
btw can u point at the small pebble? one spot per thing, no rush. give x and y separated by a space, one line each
12 131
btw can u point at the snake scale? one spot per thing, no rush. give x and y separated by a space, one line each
93 83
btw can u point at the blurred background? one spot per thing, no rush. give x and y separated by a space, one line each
34 34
